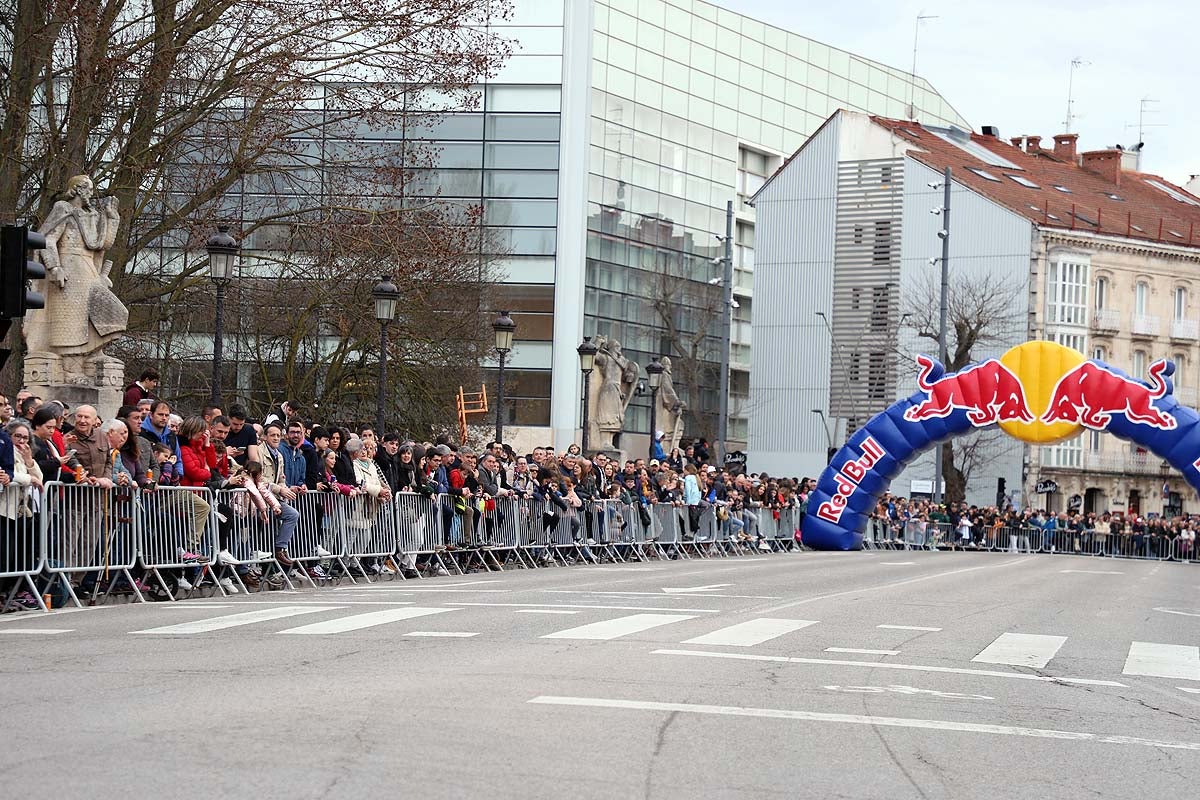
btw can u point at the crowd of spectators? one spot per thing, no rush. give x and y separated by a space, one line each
921 523
277 460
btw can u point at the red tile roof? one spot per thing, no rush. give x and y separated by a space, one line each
1089 205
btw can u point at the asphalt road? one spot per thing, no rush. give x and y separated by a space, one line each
822 675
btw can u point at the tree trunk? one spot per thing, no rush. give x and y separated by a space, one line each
956 485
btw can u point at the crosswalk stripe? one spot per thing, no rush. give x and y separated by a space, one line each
907 628
621 626
1021 650
370 619
751 632
1163 661
236 620
862 651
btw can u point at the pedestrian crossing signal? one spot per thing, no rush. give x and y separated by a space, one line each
17 269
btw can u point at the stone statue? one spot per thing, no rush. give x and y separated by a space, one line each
671 408
65 340
611 390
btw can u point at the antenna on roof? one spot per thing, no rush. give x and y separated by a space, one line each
921 16
1076 62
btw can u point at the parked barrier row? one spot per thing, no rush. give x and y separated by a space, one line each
88 544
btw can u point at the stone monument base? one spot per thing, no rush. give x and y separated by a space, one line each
96 380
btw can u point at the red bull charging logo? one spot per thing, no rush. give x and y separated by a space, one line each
1043 392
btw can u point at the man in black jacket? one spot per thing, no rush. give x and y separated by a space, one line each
388 460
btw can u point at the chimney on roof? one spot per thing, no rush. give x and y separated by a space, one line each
1017 142
992 131
1064 146
1105 163
1033 144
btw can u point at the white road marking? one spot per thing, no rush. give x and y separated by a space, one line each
909 690
391 588
621 626
544 611
906 628
1021 650
751 632
369 619
235 620
44 615
1021 676
662 596
1163 661
185 606
708 588
444 634
37 631
897 563
1177 611
1090 572
861 719
882 586
862 651
576 605
1188 689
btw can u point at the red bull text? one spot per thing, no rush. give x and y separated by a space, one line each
847 479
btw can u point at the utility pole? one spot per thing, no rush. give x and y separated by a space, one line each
723 419
943 313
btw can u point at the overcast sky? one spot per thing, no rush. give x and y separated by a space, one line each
1008 63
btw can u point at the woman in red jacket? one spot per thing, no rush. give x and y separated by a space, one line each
199 460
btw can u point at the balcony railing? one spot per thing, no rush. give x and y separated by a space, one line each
1106 320
1121 463
1185 330
1144 326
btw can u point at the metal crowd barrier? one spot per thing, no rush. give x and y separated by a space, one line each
22 556
90 533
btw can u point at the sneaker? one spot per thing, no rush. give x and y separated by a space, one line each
188 557
374 569
251 580
317 574
228 585
323 553
442 572
183 584
281 555
766 548
261 555
26 601
225 558
275 581
388 567
590 541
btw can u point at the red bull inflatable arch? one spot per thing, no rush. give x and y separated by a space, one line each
1038 392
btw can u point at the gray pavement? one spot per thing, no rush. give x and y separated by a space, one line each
862 675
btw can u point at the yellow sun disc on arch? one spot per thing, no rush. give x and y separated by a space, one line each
1039 365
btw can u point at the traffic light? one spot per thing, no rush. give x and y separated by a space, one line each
17 270
1001 494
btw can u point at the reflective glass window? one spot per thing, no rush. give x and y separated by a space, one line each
523 127
523 98
450 155
537 12
451 126
532 41
520 183
520 156
524 241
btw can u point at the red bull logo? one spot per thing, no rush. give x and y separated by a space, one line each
989 392
847 479
1091 393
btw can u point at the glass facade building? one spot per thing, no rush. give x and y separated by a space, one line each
603 155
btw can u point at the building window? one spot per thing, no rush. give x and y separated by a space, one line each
1180 302
1180 363
1141 298
1101 294
1067 292
1139 364
1098 354
753 169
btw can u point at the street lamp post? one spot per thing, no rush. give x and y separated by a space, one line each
654 371
587 358
222 254
385 294
504 328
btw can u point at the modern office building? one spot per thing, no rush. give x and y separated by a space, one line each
604 153
1077 248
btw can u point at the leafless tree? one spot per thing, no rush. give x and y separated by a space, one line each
982 312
